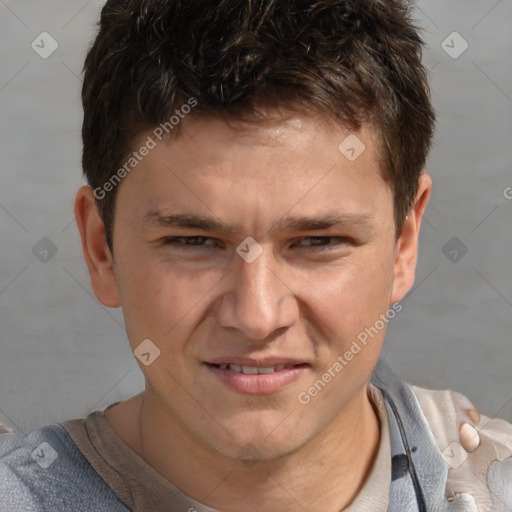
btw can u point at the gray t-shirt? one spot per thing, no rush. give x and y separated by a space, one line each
142 488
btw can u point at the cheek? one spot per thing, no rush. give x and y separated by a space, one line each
160 299
352 296
351 306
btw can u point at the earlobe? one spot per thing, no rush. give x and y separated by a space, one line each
96 253
407 245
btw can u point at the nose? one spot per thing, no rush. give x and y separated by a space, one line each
259 301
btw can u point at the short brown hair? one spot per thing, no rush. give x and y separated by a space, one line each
352 61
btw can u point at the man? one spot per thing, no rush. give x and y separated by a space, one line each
254 205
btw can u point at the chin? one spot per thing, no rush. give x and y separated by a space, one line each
260 439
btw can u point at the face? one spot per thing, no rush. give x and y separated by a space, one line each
253 248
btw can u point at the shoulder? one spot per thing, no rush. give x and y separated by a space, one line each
452 417
45 470
477 449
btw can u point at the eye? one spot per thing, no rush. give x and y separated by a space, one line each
323 242
189 241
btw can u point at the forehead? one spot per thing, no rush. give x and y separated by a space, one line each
304 139
263 170
274 128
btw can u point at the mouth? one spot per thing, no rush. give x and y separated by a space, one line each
257 377
255 370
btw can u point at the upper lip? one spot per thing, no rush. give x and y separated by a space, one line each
257 363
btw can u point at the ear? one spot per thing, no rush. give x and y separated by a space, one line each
95 249
406 252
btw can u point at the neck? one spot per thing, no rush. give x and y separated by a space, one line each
325 474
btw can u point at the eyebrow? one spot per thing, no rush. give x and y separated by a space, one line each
156 218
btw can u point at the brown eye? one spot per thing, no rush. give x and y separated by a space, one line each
188 241
323 241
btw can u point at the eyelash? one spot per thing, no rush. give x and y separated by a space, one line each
184 246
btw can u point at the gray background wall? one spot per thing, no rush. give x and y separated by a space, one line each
63 354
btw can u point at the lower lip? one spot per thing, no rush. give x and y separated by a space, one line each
258 384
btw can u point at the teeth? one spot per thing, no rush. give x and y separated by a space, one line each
253 370
268 369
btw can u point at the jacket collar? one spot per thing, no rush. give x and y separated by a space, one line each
419 471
